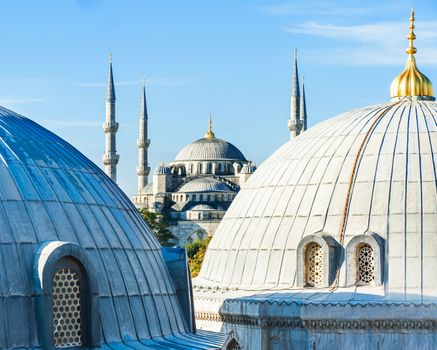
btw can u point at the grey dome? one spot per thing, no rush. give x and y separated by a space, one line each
50 192
201 207
204 184
301 190
162 170
209 149
248 168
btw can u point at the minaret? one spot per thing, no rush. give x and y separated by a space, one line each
110 158
143 143
295 124
303 107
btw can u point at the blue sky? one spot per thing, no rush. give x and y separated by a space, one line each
228 58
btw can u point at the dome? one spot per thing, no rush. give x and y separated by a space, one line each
371 170
201 207
209 149
59 209
204 184
162 170
248 168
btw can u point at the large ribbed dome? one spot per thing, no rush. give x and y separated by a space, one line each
209 148
52 200
373 169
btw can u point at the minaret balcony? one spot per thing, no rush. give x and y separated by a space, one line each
143 170
111 159
295 125
143 143
110 127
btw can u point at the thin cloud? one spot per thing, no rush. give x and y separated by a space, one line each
377 43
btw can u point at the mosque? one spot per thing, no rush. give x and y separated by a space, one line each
332 242
198 186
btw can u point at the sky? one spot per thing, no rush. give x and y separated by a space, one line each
232 59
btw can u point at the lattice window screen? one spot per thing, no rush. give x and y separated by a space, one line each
366 264
314 265
66 309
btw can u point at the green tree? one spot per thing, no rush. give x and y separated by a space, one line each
159 225
196 253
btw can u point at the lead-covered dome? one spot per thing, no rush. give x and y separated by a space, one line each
369 172
209 149
61 214
204 184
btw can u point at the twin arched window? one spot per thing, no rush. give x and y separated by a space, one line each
317 260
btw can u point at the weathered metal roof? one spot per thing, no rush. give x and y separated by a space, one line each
49 191
373 169
209 149
204 184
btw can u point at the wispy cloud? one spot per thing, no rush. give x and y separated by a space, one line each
149 82
375 43
20 101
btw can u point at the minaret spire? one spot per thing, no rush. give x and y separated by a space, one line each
143 143
209 134
295 124
110 157
303 107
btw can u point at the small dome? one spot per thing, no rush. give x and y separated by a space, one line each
248 168
162 170
204 184
202 207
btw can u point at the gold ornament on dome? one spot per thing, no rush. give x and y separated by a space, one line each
209 134
411 82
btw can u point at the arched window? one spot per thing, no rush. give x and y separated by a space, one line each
199 168
191 168
188 197
209 168
67 321
228 168
194 197
365 264
199 216
364 260
313 265
201 197
219 168
208 198
67 294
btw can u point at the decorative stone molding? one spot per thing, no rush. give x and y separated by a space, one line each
320 324
377 244
329 248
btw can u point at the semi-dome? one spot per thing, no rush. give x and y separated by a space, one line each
209 148
366 173
69 238
204 184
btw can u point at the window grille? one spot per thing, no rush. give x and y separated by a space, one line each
314 265
66 309
366 264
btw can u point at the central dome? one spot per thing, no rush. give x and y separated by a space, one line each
209 149
204 184
368 171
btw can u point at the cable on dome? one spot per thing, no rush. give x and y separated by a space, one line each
342 227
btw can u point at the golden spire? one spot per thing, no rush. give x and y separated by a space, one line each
411 82
209 134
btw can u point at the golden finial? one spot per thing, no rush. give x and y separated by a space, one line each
209 134
411 82
163 164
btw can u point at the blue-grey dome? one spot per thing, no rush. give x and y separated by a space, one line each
210 148
56 204
204 184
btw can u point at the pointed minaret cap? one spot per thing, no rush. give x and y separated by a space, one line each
110 91
411 82
143 112
209 134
